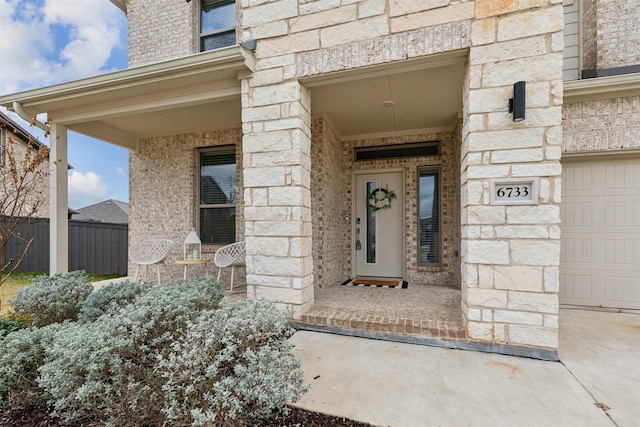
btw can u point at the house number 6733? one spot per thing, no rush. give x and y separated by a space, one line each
511 192
514 191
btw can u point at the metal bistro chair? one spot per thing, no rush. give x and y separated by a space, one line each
151 252
233 256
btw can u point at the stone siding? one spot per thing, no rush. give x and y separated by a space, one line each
599 125
510 254
163 191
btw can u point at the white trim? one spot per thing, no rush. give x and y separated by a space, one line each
131 77
622 85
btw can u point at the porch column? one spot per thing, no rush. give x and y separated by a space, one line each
58 201
276 170
510 252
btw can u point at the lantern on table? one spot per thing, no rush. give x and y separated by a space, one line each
192 246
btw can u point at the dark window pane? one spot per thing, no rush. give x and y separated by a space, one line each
218 177
217 225
429 216
216 41
371 227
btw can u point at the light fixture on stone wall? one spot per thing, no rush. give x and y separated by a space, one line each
192 246
517 103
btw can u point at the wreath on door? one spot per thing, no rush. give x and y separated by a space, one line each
380 198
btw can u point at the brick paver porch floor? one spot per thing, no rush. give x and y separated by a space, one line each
421 310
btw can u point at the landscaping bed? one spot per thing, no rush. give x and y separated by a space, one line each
39 417
139 354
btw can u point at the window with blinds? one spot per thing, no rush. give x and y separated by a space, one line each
429 236
217 24
217 216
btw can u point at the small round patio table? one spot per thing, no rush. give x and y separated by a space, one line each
188 262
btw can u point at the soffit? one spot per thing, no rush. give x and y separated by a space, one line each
193 93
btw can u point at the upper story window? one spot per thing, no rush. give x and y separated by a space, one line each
217 24
217 204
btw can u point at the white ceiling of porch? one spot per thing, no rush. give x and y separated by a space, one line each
425 96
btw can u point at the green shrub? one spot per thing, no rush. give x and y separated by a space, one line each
53 299
234 366
105 368
110 299
21 354
172 356
8 325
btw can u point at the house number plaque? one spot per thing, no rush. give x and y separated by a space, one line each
514 192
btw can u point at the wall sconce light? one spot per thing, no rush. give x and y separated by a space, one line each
517 103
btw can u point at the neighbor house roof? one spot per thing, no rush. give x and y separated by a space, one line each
111 211
10 125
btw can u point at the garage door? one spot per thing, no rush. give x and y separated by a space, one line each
600 212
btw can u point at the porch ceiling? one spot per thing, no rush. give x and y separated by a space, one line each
188 94
425 95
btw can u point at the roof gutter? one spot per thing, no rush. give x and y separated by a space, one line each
17 108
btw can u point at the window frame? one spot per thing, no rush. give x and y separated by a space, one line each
200 206
437 169
202 35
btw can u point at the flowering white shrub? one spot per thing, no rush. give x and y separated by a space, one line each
105 368
21 354
53 299
111 298
157 355
233 366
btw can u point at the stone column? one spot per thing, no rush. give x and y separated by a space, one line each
510 254
276 160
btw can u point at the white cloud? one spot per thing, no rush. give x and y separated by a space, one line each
121 171
86 189
28 29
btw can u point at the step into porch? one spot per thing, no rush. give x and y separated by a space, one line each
421 311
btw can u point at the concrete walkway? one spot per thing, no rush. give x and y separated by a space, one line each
394 384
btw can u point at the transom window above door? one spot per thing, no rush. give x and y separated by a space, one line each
217 24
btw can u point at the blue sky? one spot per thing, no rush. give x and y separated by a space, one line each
44 42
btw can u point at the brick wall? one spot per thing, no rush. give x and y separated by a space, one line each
40 196
163 175
331 236
160 30
607 124
618 33
589 35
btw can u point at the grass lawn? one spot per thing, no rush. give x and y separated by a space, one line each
17 280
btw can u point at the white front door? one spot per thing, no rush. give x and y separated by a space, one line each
379 234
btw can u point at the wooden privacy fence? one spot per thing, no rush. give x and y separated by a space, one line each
94 247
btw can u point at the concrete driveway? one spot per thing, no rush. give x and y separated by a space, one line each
394 384
602 351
